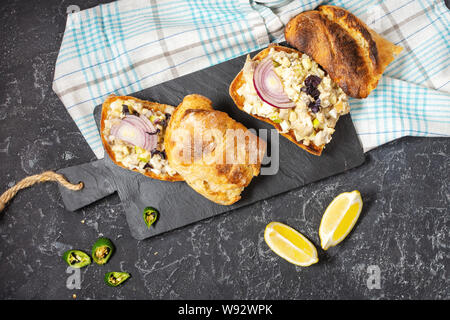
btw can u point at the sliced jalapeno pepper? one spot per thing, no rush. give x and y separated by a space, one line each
150 215
76 258
113 279
102 250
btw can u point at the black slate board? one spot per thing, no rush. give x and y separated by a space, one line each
178 204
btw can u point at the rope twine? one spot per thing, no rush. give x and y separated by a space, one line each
37 178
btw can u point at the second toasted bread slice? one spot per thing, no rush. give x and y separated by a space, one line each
354 55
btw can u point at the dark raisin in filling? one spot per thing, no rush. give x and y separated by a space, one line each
314 106
161 122
148 166
154 132
311 83
161 153
125 109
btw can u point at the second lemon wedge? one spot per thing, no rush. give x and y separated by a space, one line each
339 218
290 244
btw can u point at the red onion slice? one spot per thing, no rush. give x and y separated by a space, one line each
138 122
269 87
148 123
114 129
151 142
134 135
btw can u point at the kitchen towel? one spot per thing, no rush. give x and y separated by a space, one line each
129 45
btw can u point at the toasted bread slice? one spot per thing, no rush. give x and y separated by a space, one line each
354 55
239 101
106 107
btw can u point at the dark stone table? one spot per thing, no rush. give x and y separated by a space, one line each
403 229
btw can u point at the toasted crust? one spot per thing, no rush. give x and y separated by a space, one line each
354 55
148 105
207 170
239 101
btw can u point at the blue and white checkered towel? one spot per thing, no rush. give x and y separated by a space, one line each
129 45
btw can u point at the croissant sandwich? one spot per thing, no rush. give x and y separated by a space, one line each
287 89
202 146
354 55
132 132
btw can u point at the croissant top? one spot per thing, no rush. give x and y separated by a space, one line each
199 142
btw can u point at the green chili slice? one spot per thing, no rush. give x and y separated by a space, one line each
102 250
150 215
113 279
76 258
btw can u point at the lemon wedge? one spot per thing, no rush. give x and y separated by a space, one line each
290 244
339 218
